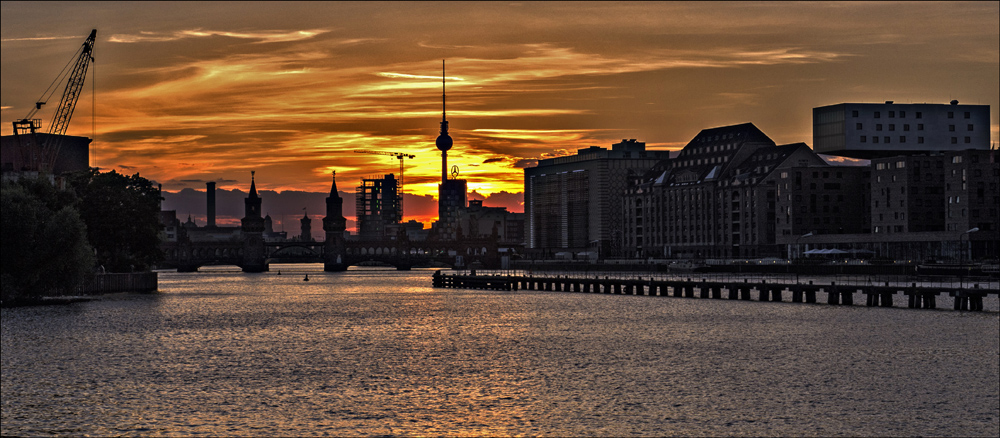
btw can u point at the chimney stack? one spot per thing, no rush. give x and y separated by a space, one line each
210 192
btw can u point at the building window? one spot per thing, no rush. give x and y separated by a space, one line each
956 159
906 127
864 138
967 115
954 140
854 113
970 128
951 115
878 127
902 114
878 114
920 140
900 164
859 127
920 126
874 139
892 114
951 128
892 126
968 139
902 139
886 138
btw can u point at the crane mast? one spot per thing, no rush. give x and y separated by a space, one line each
67 104
399 155
46 154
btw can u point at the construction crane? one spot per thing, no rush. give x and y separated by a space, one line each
43 156
399 155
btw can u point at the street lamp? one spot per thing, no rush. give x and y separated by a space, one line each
799 253
961 252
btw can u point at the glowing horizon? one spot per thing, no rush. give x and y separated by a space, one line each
211 91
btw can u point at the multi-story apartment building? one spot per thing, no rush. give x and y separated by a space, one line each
927 195
822 200
717 198
971 178
924 207
573 203
907 194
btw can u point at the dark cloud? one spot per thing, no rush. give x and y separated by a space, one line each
525 163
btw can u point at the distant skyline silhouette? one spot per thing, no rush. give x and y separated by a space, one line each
210 91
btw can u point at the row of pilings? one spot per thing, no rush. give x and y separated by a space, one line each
917 297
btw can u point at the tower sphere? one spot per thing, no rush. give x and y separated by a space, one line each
444 142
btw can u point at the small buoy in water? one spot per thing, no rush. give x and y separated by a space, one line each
307 278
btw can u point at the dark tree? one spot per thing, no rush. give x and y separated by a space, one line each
44 245
122 214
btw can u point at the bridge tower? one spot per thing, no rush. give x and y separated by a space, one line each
252 230
334 224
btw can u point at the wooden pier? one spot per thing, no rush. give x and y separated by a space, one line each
917 296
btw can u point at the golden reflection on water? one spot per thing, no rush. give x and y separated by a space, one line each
371 352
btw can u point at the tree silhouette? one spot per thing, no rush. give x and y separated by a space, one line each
122 217
44 246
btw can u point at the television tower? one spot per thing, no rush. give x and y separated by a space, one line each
444 140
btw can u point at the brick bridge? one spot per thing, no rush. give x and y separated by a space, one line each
253 254
189 256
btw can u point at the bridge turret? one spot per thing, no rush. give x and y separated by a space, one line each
334 224
252 230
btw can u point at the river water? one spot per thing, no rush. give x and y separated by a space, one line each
380 352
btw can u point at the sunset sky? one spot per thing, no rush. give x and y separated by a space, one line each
195 92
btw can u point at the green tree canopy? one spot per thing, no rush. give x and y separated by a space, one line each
122 214
44 246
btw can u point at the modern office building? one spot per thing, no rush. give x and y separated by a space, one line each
452 197
477 222
872 130
573 204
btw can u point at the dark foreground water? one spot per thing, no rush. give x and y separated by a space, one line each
381 353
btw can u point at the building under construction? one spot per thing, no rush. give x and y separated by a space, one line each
378 208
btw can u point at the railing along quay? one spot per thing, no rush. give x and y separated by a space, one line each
877 295
123 282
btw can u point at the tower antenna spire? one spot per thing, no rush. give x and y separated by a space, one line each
444 141
443 94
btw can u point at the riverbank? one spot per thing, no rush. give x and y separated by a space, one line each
93 287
